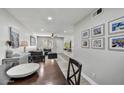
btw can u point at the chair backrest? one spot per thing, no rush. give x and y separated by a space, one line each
74 72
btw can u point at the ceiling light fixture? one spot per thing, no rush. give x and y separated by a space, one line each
49 18
64 31
42 29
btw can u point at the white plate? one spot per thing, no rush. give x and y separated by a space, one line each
23 70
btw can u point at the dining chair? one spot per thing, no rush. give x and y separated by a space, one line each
74 72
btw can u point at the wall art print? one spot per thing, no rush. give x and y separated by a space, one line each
116 26
98 43
98 31
85 43
32 41
14 37
116 43
85 34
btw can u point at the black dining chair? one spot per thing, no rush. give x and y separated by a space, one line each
74 72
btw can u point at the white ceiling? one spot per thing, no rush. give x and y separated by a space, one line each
36 18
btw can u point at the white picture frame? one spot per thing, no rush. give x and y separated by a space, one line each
116 43
98 31
85 43
85 34
98 43
116 26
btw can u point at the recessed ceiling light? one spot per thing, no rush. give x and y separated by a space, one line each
42 29
64 31
49 18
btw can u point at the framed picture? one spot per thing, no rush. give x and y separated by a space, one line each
98 43
116 43
85 34
98 30
32 41
14 37
85 43
116 26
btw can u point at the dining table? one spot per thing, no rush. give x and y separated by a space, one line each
49 73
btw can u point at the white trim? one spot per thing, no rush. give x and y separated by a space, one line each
88 79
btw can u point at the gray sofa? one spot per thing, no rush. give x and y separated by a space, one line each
16 59
4 79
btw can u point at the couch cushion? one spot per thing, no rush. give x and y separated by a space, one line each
9 53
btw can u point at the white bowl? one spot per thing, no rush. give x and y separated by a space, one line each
23 70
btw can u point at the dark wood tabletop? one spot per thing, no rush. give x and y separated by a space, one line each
48 74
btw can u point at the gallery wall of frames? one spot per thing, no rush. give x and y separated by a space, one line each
95 37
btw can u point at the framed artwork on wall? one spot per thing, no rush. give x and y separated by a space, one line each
85 34
116 43
98 31
98 43
14 37
116 26
85 43
32 41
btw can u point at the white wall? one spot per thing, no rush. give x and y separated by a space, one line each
107 65
7 20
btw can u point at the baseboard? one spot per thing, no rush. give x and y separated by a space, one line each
89 79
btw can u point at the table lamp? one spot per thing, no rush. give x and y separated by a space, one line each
24 44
